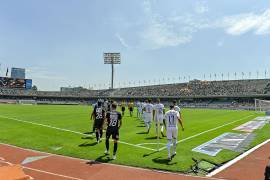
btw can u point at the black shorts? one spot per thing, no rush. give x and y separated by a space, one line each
98 124
130 109
123 108
112 132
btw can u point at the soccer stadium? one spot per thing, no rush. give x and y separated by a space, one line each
63 116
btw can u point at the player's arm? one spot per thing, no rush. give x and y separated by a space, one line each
93 114
104 117
120 121
164 121
107 117
180 121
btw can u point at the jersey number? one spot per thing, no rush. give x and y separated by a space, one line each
113 121
171 120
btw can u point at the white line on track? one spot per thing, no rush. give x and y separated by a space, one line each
204 132
41 171
110 164
54 174
67 130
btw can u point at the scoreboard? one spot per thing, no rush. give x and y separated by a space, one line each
15 83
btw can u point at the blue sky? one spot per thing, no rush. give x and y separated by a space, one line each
61 42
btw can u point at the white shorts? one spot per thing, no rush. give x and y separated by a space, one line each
148 117
159 119
172 132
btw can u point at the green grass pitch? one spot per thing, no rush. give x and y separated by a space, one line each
49 124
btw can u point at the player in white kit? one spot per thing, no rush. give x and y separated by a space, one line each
171 119
148 114
176 108
159 112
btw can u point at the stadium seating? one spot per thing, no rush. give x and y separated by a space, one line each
191 89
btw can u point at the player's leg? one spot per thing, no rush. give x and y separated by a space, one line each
156 126
100 133
145 122
148 123
115 137
97 135
175 133
95 127
161 126
107 143
169 137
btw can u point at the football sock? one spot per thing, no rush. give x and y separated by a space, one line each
174 145
97 135
115 148
100 133
107 144
169 147
156 129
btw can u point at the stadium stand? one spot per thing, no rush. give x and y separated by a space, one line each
196 93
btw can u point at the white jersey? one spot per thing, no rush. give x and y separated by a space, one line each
171 118
148 109
159 109
177 108
139 106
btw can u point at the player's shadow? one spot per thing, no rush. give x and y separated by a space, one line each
88 137
88 133
87 144
140 126
142 132
150 138
160 160
101 159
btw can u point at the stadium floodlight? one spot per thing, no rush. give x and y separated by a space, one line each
112 58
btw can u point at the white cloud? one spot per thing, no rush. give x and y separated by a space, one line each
168 31
249 22
162 32
201 7
122 40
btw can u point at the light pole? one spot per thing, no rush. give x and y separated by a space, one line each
112 58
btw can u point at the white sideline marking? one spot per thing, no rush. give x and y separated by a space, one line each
117 165
230 163
213 129
46 172
67 130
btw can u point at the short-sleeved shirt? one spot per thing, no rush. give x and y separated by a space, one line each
149 108
177 108
113 119
99 113
171 118
159 109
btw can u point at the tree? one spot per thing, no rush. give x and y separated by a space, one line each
34 88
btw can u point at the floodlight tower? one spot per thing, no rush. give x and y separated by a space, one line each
112 58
